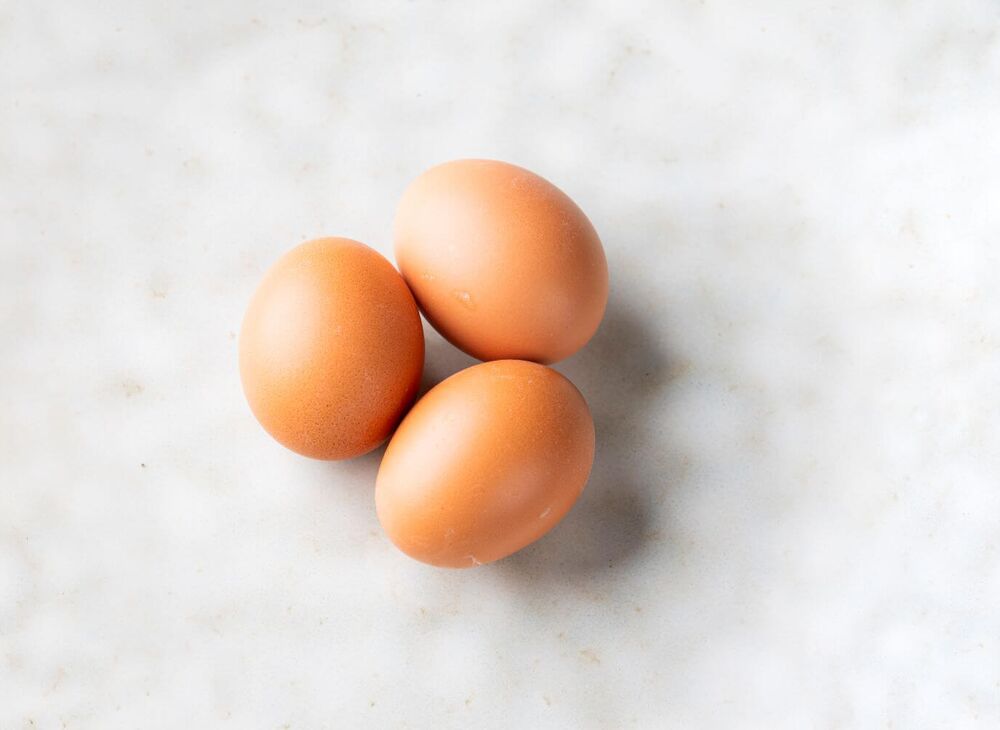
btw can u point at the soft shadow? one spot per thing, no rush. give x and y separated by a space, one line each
620 373
441 359
361 469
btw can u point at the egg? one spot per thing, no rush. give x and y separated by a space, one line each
487 462
501 261
331 349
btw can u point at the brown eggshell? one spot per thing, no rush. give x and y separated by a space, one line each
331 349
485 463
501 261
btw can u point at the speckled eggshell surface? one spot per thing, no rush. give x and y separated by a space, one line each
501 261
331 349
485 463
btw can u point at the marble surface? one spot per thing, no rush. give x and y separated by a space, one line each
794 517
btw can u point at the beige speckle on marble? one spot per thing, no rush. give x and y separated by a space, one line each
132 388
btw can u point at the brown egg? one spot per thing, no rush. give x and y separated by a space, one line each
485 463
501 261
331 349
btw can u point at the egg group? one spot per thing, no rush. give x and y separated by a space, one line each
507 268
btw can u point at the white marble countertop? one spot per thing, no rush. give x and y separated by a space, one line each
794 517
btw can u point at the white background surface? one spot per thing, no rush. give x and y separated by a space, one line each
793 519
